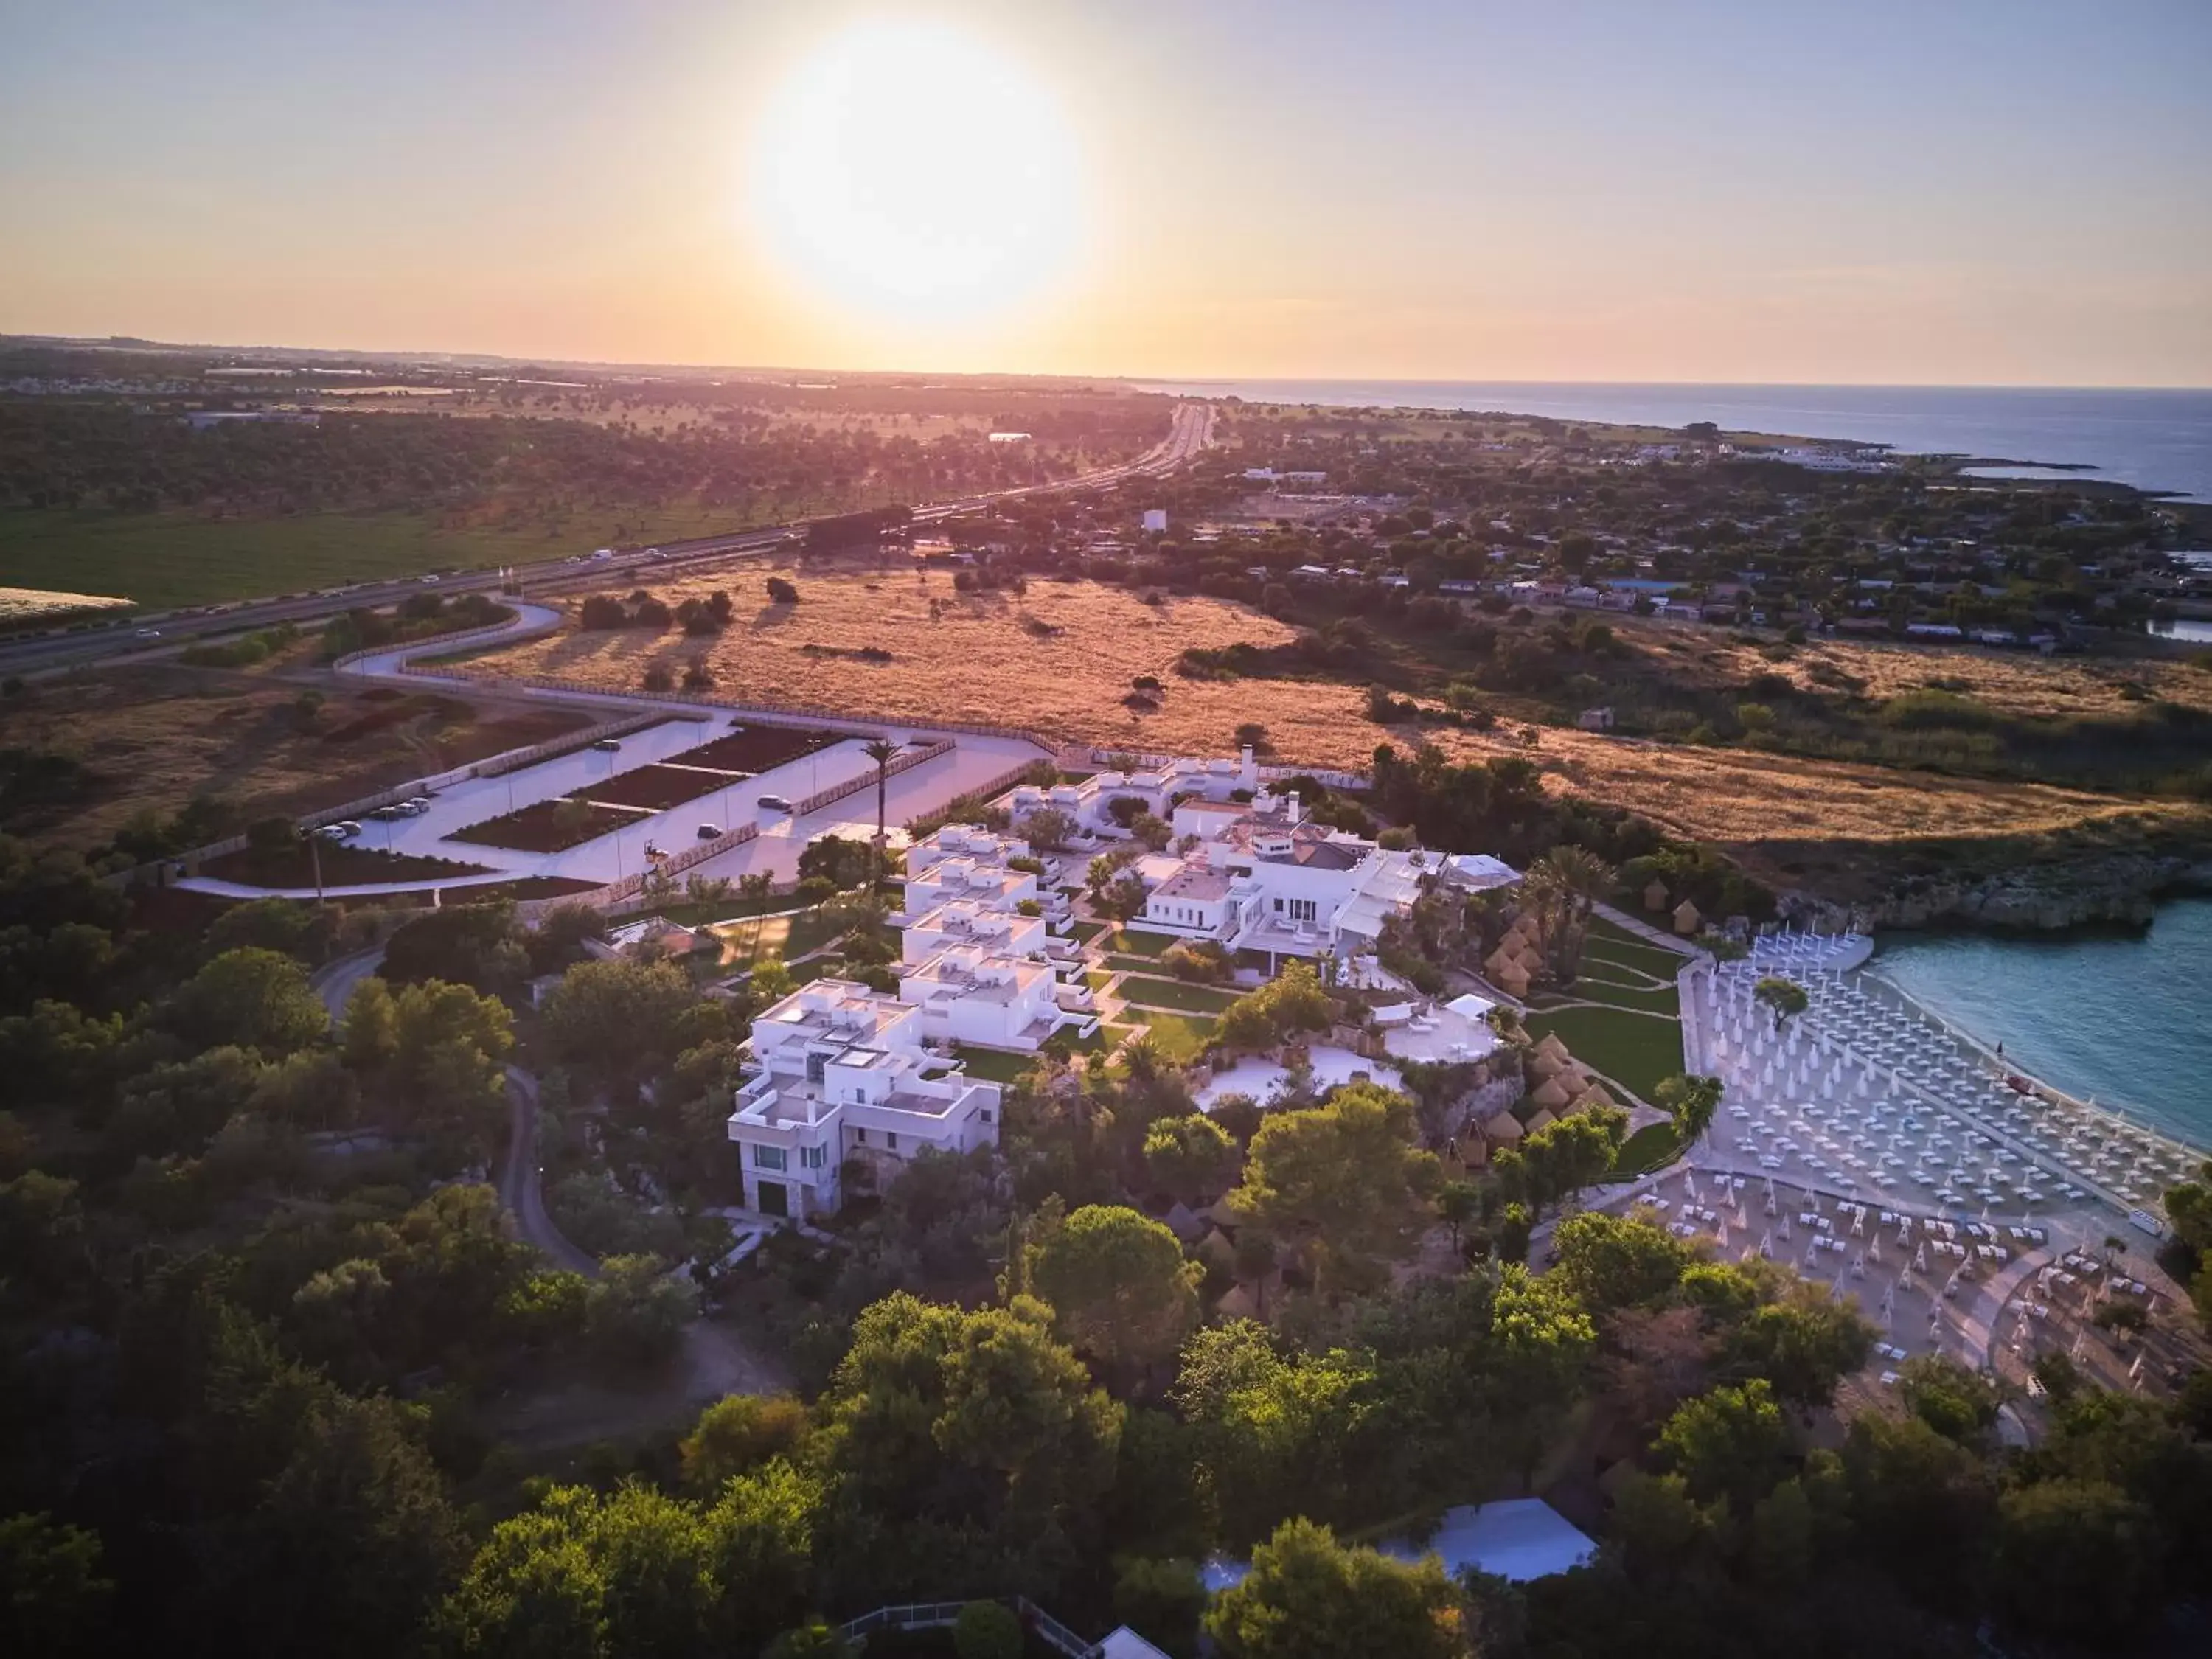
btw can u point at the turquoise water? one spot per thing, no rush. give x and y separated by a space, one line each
2125 1020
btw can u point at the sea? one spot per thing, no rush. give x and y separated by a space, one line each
2120 1018
2157 439
2123 1020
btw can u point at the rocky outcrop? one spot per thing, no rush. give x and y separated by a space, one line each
2117 888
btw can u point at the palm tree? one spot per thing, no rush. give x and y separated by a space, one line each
1692 1100
880 751
1564 885
756 889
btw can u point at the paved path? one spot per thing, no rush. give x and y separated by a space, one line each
519 1188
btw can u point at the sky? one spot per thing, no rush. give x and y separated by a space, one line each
1944 191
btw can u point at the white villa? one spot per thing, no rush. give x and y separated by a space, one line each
970 994
1087 802
1258 875
1261 877
839 1078
963 862
969 921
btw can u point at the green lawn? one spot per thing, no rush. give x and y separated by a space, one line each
1174 993
1131 941
787 934
1181 1037
1635 1050
163 560
1086 931
1132 965
992 1065
1653 1145
1611 940
1665 1000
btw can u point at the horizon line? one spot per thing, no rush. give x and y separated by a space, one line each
125 341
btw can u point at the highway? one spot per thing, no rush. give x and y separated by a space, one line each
1190 431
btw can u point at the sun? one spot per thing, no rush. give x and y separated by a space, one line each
909 171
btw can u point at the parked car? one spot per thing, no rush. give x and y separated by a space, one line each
608 745
710 832
348 828
775 804
332 832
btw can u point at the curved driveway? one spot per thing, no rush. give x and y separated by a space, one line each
519 1188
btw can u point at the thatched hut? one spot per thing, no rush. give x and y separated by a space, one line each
1543 1120
1551 1096
1687 918
1549 1044
1655 895
1588 1099
1502 1130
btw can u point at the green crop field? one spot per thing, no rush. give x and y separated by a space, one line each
160 561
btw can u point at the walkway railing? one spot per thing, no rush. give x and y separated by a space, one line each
936 1615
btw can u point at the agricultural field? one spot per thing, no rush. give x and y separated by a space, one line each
1062 659
82 757
160 561
33 607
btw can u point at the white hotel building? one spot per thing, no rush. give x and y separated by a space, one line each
839 1080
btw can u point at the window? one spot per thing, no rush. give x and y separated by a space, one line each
770 1157
816 1066
813 1157
1303 910
860 1136
987 1117
891 1139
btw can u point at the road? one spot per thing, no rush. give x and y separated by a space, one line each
1190 431
519 1188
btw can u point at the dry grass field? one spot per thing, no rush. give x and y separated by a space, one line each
20 607
2013 682
1060 660
157 738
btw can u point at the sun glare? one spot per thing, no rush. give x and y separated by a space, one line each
911 172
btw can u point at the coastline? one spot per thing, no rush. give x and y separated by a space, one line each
2119 1117
2155 440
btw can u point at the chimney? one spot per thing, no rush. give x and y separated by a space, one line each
1248 772
1293 799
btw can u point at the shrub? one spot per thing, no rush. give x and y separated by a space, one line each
984 1629
657 678
782 592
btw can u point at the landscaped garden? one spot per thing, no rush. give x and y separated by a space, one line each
757 748
1636 1050
658 786
343 863
1174 994
547 826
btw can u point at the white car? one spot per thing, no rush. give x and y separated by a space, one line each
150 633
